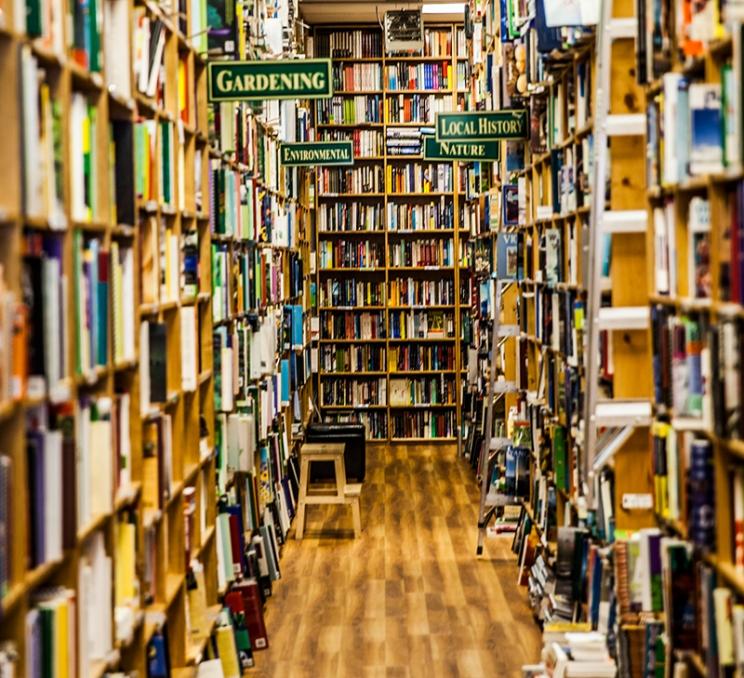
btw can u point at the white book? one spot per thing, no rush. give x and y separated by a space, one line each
101 482
125 442
189 375
144 367
117 47
32 175
671 101
83 464
53 495
55 310
661 251
78 114
154 74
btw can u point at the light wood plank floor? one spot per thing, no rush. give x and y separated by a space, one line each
409 598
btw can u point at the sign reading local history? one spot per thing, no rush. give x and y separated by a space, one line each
464 151
259 80
483 125
317 153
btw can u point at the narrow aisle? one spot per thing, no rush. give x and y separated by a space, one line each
407 599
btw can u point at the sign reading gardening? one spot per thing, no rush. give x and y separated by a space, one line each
317 153
464 151
259 80
483 125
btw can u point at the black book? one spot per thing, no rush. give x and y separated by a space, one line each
158 362
124 175
32 297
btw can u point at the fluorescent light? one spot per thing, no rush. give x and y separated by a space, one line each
443 8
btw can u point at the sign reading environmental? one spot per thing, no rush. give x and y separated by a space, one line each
464 151
483 125
317 153
259 80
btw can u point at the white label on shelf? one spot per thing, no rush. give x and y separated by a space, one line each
637 502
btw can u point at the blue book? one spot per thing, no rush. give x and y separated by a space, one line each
285 381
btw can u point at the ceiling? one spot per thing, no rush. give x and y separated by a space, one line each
361 11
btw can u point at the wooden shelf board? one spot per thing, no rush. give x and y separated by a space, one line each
93 526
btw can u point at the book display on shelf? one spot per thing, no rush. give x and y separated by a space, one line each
154 342
390 241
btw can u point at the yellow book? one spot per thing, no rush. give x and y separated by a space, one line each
228 652
389 178
61 640
125 565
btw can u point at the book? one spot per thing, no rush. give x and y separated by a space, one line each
706 152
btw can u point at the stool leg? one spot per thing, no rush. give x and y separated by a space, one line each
340 478
356 517
300 520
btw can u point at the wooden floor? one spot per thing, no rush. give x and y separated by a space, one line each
409 598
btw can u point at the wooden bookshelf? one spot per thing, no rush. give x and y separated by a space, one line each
110 374
172 208
382 158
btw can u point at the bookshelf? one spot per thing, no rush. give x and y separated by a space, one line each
668 493
113 420
401 215
85 230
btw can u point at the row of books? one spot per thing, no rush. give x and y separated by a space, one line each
406 141
417 292
43 178
439 390
419 178
148 49
357 44
438 42
350 110
354 392
429 216
344 254
365 179
355 216
428 76
697 371
356 77
375 423
359 326
425 252
421 324
263 277
424 424
415 108
350 292
421 357
694 113
353 358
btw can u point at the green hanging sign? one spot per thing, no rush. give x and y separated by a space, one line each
260 80
483 125
464 151
317 153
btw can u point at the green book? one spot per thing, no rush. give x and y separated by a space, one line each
34 15
560 461
165 128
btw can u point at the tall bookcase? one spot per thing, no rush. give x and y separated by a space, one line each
82 236
390 273
112 450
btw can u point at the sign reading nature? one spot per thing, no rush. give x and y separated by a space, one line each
465 151
483 125
317 153
259 80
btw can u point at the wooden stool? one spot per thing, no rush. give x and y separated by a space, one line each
342 493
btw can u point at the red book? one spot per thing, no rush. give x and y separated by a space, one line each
253 609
